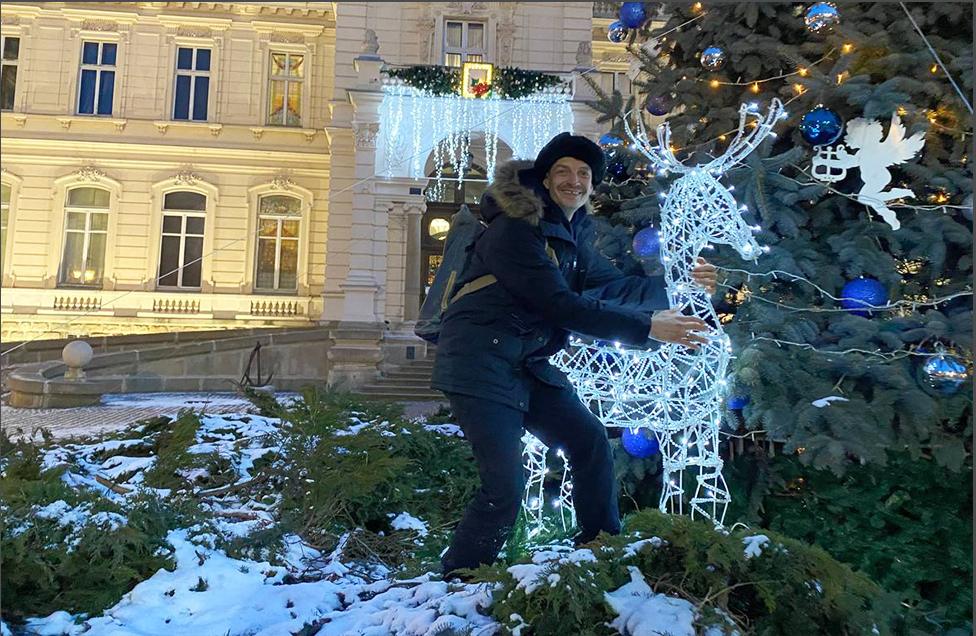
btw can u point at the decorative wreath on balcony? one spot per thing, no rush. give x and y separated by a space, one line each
507 82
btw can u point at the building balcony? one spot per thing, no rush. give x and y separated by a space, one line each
196 310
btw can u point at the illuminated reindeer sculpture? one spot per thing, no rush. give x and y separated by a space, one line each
674 390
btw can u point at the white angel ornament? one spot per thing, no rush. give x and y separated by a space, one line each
873 158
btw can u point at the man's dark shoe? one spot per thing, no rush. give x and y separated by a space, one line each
460 575
583 537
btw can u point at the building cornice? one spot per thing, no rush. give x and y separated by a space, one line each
46 152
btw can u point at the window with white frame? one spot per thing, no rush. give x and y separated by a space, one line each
181 250
279 224
4 219
463 42
286 81
10 47
192 84
96 85
85 236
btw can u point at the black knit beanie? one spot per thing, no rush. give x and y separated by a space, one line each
576 146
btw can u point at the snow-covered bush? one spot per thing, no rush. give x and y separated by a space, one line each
676 571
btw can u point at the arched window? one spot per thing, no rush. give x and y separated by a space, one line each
279 225
181 250
85 237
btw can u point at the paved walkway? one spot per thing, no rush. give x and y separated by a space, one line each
119 411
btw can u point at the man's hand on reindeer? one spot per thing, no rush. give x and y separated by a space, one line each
705 274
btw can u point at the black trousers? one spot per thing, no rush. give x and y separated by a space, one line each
558 418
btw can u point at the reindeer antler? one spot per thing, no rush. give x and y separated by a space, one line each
744 143
660 155
663 159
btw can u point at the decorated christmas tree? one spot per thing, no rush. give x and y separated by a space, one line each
852 333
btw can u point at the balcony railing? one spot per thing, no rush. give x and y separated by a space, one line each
608 10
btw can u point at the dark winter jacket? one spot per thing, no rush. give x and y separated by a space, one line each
491 338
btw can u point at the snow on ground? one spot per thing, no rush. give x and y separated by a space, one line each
642 612
531 576
177 401
209 592
754 545
406 521
222 595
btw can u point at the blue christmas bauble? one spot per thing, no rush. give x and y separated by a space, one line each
712 58
821 17
617 168
658 105
617 32
632 14
647 242
639 442
610 140
863 292
821 126
944 373
737 402
967 210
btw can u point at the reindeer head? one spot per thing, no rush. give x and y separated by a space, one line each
697 203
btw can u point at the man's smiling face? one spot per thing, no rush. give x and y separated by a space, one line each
570 183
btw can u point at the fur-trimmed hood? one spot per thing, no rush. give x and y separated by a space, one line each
517 193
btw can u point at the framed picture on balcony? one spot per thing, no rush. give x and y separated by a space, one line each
476 79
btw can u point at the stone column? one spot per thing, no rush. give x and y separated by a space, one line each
413 279
360 286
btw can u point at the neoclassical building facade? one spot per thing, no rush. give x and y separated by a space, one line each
173 166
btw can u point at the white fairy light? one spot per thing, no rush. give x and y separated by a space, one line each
447 123
674 390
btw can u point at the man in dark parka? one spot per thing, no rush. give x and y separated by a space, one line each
494 344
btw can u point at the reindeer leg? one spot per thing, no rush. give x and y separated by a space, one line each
711 497
673 459
533 501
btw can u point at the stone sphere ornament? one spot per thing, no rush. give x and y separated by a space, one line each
77 353
639 442
713 58
633 14
821 17
861 294
658 105
944 373
617 32
821 126
647 243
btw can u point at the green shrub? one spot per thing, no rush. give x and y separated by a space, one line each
790 588
332 482
907 525
53 563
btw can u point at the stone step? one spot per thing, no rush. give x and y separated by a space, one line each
401 394
418 363
408 374
422 383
